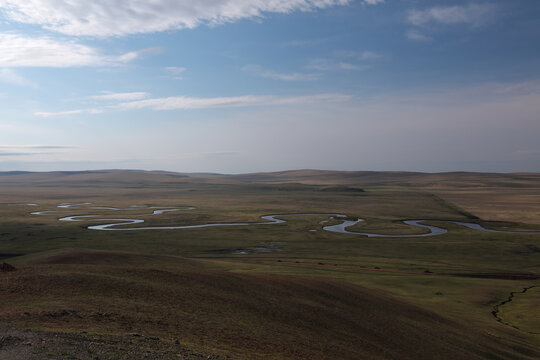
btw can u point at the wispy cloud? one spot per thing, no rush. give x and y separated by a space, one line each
345 60
110 96
10 153
372 2
22 51
67 113
259 71
359 55
185 103
473 14
128 101
333 65
416 35
176 71
10 76
117 17
370 55
37 147
130 56
29 150
311 42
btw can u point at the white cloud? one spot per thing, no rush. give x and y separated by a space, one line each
416 35
67 113
332 65
36 147
311 42
362 56
21 51
473 14
29 150
9 76
133 55
119 17
184 103
370 55
345 60
264 73
175 70
110 96
128 101
373 2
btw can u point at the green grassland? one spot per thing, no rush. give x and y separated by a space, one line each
295 291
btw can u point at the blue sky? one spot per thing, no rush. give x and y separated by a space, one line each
241 86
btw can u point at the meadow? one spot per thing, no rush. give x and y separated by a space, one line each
281 291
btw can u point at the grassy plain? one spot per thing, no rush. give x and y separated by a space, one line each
285 291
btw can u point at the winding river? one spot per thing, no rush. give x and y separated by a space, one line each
121 224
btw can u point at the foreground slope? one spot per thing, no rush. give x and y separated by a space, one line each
266 316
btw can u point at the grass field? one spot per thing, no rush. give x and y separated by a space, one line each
284 291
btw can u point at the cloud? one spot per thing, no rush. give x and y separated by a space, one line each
37 147
333 65
21 51
362 55
110 96
473 14
67 113
416 35
28 150
370 55
9 76
176 71
269 74
311 42
118 17
185 103
3 154
373 2
130 56
345 60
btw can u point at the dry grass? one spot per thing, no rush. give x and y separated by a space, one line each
266 316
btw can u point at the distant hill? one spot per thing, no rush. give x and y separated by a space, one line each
310 177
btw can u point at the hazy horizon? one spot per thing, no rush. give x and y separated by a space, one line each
233 86
264 172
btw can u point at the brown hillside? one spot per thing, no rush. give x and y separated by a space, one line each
276 317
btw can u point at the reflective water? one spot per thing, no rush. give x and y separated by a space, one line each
122 224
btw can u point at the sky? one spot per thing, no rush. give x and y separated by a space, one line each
236 86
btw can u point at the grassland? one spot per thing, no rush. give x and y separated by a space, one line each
308 294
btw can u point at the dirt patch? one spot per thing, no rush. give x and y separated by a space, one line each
18 344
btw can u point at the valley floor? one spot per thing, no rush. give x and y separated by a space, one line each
283 291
